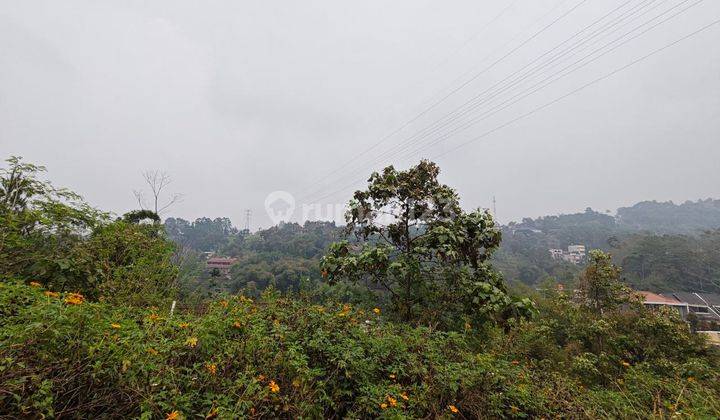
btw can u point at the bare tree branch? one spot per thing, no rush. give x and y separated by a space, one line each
157 181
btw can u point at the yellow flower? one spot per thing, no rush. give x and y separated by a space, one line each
212 368
223 303
383 406
212 414
296 383
392 401
173 415
115 326
691 379
404 396
624 363
183 325
191 341
35 284
153 317
274 388
391 376
74 299
51 294
152 351
377 311
345 310
453 408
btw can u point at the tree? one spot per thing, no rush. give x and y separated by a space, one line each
39 223
158 182
600 287
417 247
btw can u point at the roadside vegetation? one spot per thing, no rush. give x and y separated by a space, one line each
408 319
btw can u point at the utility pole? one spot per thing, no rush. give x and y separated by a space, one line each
494 209
248 213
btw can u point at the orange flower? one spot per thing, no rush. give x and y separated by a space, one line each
153 317
183 325
383 406
51 294
223 303
74 299
345 310
191 341
274 388
115 326
152 351
515 362
453 408
173 415
392 401
212 368
404 396
377 311
237 324
35 284
624 363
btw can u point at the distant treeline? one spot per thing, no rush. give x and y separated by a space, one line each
662 247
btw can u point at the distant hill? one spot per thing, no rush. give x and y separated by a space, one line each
690 217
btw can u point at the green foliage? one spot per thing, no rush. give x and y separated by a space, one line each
137 216
126 263
669 218
671 263
419 248
51 236
289 358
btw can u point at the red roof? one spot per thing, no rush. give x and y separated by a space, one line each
650 297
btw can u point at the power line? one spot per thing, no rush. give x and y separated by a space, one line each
574 91
539 86
463 85
556 100
456 113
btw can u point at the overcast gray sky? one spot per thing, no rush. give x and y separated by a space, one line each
236 99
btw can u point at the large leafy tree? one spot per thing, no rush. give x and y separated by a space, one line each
39 223
415 246
51 236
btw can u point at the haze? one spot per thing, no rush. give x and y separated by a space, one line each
237 99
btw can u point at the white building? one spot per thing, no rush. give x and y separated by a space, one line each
575 254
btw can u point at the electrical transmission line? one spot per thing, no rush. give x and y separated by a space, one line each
458 112
458 88
558 99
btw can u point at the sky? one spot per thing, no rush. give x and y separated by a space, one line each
531 102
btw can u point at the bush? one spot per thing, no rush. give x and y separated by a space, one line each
280 357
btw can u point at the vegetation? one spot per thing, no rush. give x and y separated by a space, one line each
88 330
421 250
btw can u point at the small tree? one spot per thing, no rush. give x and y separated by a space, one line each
600 286
417 247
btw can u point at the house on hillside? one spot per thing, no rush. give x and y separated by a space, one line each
704 306
220 265
575 254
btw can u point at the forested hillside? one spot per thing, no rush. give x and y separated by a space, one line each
652 259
